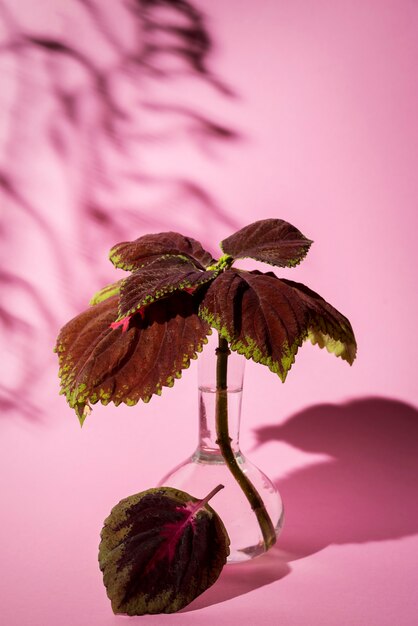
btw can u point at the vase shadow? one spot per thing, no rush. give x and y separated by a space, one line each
366 490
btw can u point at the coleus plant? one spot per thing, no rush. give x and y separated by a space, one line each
136 338
149 530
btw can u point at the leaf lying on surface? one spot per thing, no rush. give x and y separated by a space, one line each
160 549
101 364
266 319
272 241
132 255
157 280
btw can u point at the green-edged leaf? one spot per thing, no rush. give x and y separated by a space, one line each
106 292
98 363
158 280
266 319
328 328
132 255
160 549
272 241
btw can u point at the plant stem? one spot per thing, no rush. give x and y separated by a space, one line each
224 443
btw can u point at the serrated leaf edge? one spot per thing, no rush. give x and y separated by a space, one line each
115 259
251 351
163 292
290 264
106 292
81 403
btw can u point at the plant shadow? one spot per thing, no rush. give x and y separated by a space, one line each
365 491
126 99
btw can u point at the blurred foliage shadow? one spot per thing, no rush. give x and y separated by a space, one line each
104 107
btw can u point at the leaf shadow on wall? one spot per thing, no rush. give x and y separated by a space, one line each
365 491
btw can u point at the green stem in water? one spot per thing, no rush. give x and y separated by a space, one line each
224 443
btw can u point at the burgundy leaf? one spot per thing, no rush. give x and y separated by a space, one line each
272 241
328 328
132 255
266 319
157 280
98 363
160 549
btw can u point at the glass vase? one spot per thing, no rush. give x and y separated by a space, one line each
206 467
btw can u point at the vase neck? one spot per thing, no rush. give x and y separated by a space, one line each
207 419
208 398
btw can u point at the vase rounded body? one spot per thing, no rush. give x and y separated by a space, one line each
206 467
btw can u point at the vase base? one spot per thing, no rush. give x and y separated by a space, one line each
252 552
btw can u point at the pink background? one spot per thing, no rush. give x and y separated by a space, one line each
323 133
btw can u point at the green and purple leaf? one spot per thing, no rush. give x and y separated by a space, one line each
160 549
106 292
133 255
272 241
98 363
327 327
266 319
142 331
158 280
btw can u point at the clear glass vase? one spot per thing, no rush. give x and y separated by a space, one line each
206 468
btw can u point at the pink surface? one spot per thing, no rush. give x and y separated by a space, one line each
324 113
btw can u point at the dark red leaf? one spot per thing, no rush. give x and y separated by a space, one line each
132 255
157 280
327 327
160 549
266 319
272 241
98 363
